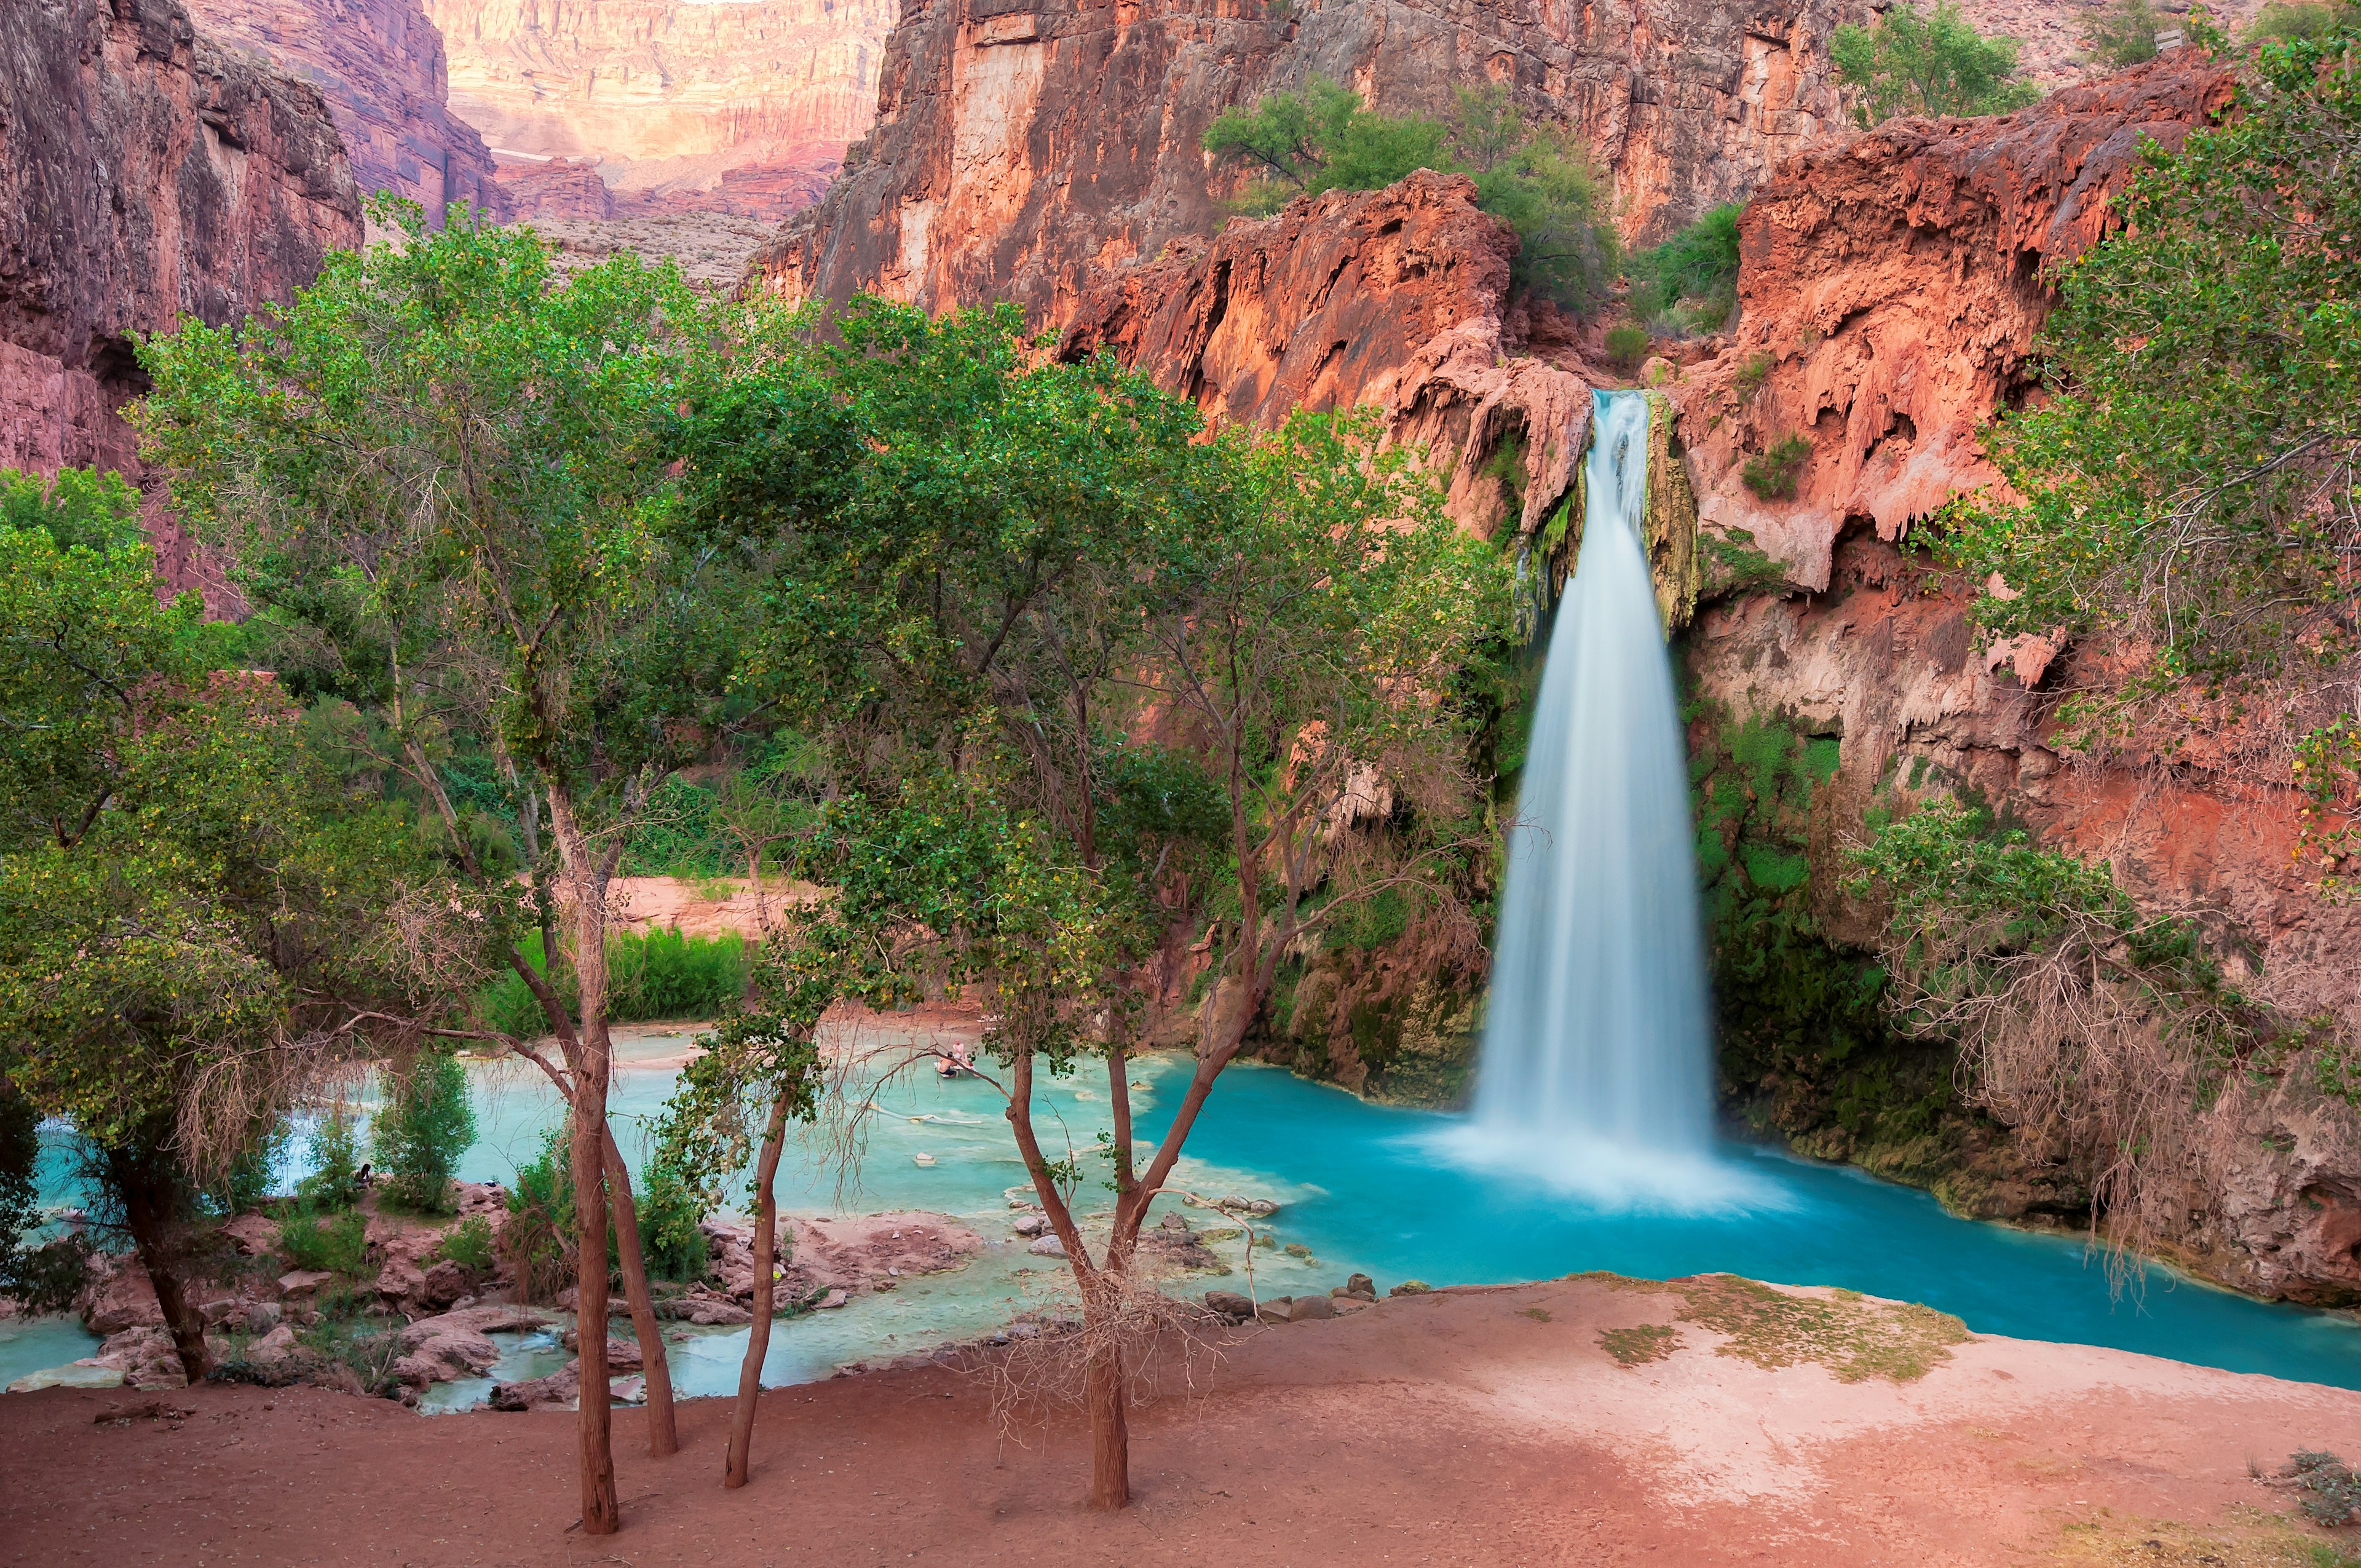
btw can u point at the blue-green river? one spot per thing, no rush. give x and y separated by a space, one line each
1378 1190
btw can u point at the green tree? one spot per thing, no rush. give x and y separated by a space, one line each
196 918
426 1126
2190 485
2123 33
1698 267
449 470
1911 62
1540 179
75 506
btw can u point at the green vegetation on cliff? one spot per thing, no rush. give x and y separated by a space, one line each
1539 180
1911 62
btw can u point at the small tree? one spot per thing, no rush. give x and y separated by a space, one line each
448 470
1910 62
2122 33
425 1127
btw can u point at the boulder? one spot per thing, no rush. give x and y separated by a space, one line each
443 1285
303 1281
273 1348
252 1234
1030 1224
1230 1305
1359 1285
1305 1308
1410 1287
1275 1310
119 1296
1046 1246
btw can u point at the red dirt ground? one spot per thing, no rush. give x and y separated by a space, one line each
1466 1427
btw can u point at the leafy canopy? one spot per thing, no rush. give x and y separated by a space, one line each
1911 62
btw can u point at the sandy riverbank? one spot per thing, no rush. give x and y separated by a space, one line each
1471 1427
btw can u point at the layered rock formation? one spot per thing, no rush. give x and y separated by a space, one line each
1891 287
379 65
146 173
1025 151
742 108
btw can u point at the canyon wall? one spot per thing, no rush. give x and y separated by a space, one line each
740 107
1024 149
1892 288
146 173
379 66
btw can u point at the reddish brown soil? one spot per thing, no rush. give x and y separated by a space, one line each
1482 1427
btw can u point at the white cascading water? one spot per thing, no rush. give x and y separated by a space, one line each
1596 1061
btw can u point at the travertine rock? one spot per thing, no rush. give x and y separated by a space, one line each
742 108
379 66
1391 298
1890 288
1025 152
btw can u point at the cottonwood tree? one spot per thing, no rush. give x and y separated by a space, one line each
447 471
1931 63
196 920
1034 563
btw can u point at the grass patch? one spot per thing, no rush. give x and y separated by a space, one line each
1638 1345
2251 1540
1855 1338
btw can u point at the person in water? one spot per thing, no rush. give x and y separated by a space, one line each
955 1062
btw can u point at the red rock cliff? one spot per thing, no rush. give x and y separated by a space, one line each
145 173
1892 289
379 65
1025 150
1892 283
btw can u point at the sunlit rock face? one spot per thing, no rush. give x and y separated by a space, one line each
749 104
379 65
146 173
1025 150
1890 288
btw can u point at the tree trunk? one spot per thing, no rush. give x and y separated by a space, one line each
151 1215
758 1334
1106 1389
585 911
663 1435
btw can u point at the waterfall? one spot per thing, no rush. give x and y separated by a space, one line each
1596 1060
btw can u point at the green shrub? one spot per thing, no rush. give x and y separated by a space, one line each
1538 178
78 506
2122 34
537 1243
335 1163
660 974
1694 274
2336 1487
1753 373
668 1213
426 1125
2283 20
469 1244
1627 346
1772 476
350 1340
1932 65
339 1244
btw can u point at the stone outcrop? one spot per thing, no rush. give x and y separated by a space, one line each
146 173
742 108
1025 152
379 65
823 1258
1890 286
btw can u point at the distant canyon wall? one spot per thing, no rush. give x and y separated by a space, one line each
145 172
668 99
1028 150
379 66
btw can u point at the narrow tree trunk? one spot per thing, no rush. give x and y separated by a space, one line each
149 1213
1105 1389
758 1334
663 1435
587 914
